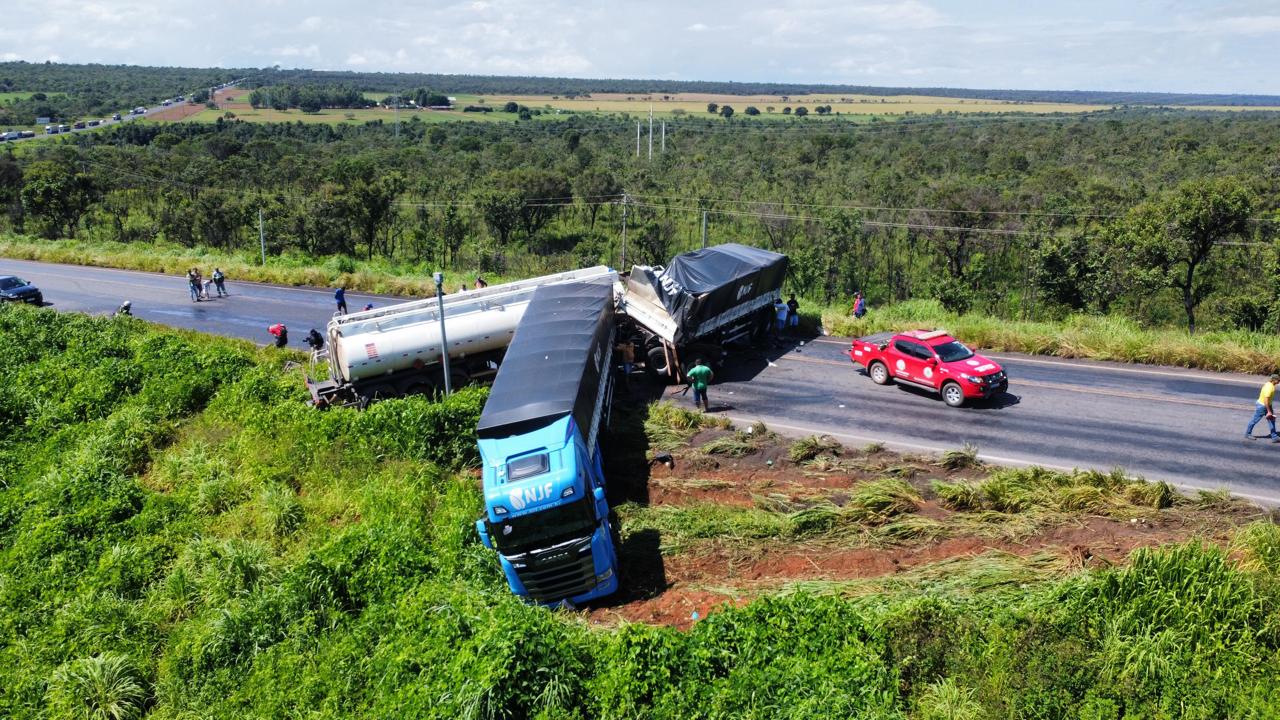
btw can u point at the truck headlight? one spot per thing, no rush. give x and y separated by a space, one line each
604 575
975 379
567 492
499 510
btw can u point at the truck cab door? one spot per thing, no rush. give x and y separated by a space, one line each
906 360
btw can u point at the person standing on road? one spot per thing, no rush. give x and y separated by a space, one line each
340 297
193 284
281 334
1264 409
859 305
781 311
220 281
699 378
626 351
793 312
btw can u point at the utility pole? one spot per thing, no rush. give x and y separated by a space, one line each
444 341
651 132
623 263
262 238
397 117
704 229
664 137
637 146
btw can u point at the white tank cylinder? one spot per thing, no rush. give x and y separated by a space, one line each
369 354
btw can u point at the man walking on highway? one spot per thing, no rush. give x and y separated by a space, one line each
193 284
340 297
1264 409
699 378
220 281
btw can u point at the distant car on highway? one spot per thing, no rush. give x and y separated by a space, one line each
50 129
79 125
15 289
64 128
932 360
116 116
94 123
139 110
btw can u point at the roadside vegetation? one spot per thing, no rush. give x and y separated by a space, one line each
180 535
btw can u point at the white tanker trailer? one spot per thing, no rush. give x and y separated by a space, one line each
396 350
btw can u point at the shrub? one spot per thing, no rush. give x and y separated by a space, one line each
808 448
102 687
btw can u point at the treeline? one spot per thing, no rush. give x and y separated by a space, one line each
73 91
308 98
1165 217
517 85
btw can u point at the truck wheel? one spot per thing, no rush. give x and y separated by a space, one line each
655 361
952 395
879 373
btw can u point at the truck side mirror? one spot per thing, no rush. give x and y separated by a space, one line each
598 494
484 533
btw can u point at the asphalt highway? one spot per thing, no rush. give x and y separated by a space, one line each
1183 426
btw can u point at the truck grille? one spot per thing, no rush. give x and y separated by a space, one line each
559 572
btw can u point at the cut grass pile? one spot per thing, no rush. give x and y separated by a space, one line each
1079 336
180 536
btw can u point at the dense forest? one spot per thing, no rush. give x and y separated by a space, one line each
67 92
1168 217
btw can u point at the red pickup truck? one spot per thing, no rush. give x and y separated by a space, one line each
930 359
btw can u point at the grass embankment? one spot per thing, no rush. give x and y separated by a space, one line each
375 276
1080 336
181 536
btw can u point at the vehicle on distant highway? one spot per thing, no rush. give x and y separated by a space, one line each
50 129
15 289
64 128
116 116
933 360
94 123
11 135
79 125
139 110
28 133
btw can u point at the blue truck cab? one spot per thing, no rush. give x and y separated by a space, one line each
546 513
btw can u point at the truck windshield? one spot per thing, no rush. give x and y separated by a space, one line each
541 529
10 283
953 351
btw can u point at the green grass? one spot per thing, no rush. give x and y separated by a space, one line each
1080 336
181 536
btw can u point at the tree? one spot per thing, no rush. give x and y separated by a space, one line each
55 197
1174 238
768 108
752 110
542 193
500 210
786 110
726 111
511 107
802 111
594 187
713 108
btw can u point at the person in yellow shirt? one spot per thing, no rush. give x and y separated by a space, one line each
1264 409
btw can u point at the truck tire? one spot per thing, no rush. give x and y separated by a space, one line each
952 394
655 361
879 373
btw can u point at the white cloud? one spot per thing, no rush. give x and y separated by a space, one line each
1191 45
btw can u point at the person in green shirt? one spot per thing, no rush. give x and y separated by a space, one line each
699 378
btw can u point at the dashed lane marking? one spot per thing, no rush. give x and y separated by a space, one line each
1070 388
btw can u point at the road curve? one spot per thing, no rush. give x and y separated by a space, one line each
1173 424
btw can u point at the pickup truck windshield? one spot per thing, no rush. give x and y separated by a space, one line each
953 351
541 529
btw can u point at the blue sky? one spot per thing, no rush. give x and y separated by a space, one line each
1169 45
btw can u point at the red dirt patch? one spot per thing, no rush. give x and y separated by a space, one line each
182 111
702 580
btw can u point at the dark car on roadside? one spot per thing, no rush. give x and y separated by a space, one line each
15 289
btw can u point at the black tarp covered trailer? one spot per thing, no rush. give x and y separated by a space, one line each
706 289
558 362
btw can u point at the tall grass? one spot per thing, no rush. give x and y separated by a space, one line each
1079 336
343 577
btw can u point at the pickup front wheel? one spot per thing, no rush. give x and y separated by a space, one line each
952 395
879 373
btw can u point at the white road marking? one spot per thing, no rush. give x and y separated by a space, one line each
1270 500
1190 374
